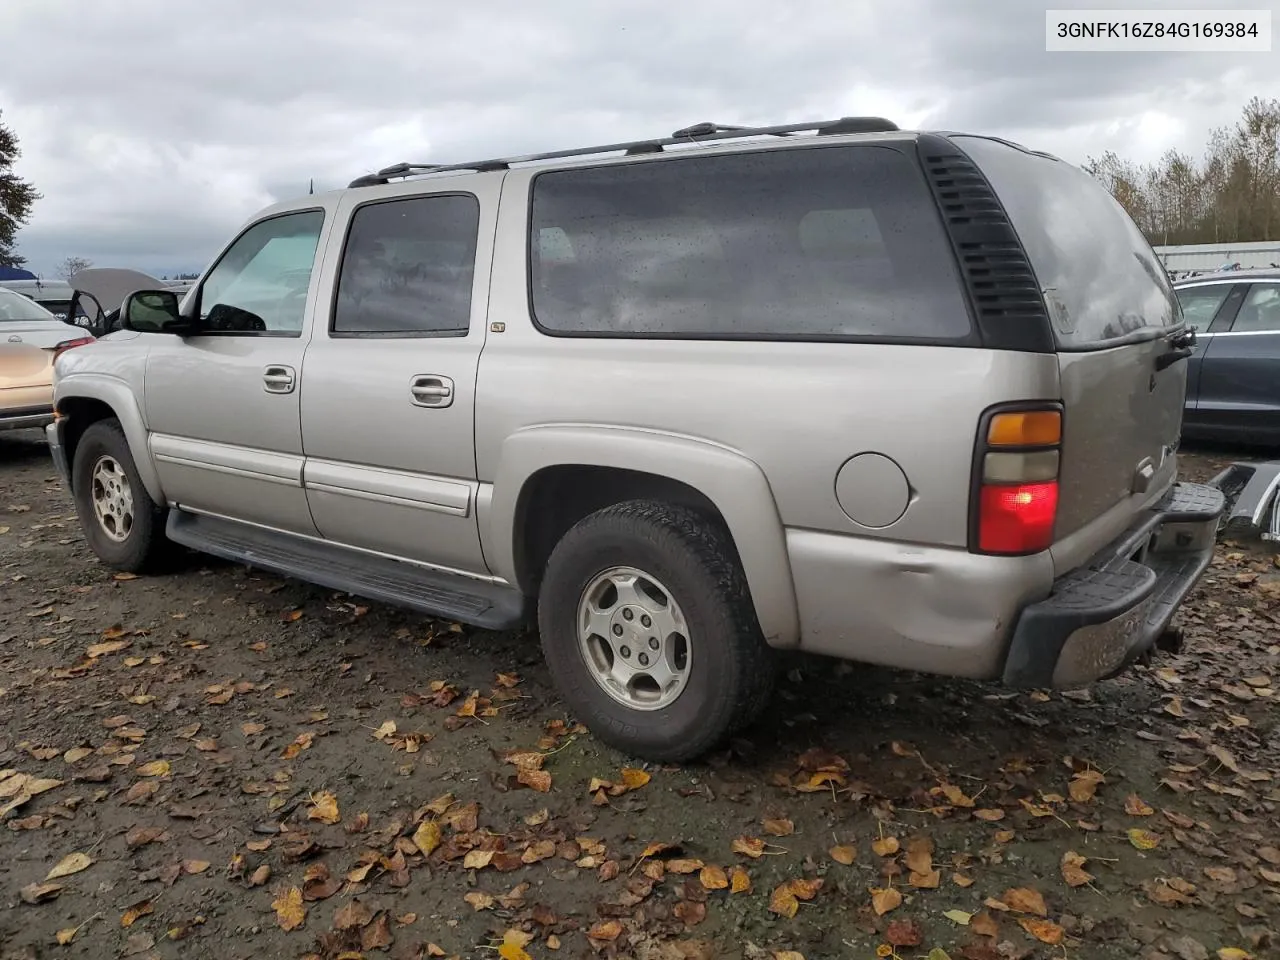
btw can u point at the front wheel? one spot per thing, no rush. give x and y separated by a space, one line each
648 629
121 522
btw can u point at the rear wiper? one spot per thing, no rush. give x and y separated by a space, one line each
1180 348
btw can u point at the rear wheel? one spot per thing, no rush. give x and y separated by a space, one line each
121 522
649 631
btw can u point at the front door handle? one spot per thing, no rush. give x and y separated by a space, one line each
431 390
278 378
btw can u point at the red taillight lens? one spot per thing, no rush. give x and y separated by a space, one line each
66 345
1017 518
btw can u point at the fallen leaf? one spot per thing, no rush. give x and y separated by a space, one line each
290 910
959 916
1084 785
1136 807
1143 839
989 814
605 931
1234 953
739 880
634 778
34 893
1025 900
843 854
1046 931
377 935
479 900
713 878
260 876
749 846
684 866
882 901
136 913
925 881
76 754
71 863
1223 756
984 925
778 828
324 808
353 916
885 846
1073 871
783 902
903 933
301 742
538 780
427 837
156 768
477 859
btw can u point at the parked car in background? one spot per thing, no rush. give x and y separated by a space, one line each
1233 376
97 293
31 338
53 295
682 402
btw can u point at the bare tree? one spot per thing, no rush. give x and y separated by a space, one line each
69 267
1231 196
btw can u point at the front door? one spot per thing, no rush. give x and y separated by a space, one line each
388 415
222 405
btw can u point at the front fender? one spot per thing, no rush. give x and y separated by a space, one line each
119 396
735 484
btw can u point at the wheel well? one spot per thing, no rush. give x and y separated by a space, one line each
555 498
81 413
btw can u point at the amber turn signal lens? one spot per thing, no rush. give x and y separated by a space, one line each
1035 428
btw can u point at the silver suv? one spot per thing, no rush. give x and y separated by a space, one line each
902 398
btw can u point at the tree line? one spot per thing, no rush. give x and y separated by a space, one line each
1230 195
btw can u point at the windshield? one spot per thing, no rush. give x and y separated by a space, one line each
14 307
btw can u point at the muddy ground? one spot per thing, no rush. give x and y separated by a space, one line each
253 767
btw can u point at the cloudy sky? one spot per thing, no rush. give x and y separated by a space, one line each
154 127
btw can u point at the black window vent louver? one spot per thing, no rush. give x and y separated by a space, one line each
1002 286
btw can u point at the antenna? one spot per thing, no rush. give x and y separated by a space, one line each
311 187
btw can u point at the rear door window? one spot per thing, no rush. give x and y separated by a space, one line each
1260 312
1100 278
824 243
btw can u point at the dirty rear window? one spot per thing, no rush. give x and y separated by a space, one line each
1100 278
826 243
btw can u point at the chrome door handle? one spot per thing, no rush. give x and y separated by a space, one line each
430 390
278 378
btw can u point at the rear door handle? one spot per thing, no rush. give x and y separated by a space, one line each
278 378
431 390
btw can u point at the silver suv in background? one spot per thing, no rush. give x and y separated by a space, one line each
898 397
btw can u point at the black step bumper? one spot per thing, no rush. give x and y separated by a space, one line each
1100 618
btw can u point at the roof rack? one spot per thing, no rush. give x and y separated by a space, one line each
698 133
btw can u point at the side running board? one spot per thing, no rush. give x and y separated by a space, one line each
440 594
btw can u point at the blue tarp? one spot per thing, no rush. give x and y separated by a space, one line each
13 273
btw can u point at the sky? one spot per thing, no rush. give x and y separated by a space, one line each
153 128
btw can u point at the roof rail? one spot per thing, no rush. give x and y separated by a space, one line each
697 133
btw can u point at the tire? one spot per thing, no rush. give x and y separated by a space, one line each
135 541
728 668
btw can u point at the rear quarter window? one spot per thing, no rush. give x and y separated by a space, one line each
820 243
1100 278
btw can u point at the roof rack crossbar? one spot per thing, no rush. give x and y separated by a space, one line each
698 133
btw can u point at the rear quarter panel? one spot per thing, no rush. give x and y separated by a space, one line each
798 410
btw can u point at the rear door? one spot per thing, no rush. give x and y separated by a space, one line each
1208 308
1114 314
1240 382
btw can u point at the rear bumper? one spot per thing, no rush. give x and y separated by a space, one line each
26 418
1101 617
53 434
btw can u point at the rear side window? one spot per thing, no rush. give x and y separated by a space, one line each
1100 278
408 268
825 243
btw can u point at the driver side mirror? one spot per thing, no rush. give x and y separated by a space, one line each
153 311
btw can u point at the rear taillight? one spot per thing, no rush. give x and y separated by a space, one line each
1016 498
66 345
